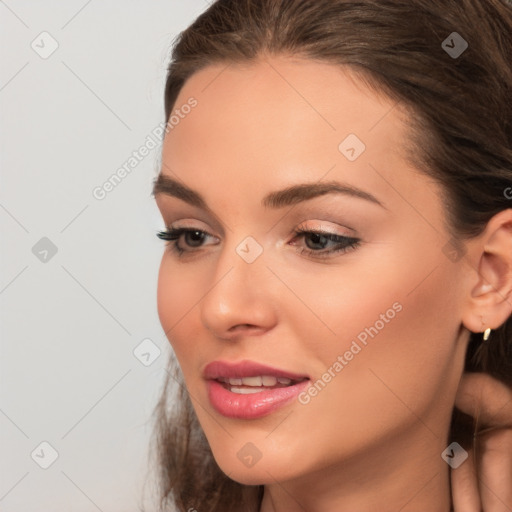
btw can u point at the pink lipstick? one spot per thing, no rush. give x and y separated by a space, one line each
250 390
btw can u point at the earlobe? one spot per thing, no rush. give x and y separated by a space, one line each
490 301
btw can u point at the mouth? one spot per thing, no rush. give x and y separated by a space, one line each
257 384
250 390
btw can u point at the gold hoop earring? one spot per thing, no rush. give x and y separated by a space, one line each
487 333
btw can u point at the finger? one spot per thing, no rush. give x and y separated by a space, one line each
495 449
482 396
465 493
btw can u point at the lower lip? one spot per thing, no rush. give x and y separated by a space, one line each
254 405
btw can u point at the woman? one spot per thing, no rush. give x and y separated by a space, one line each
336 185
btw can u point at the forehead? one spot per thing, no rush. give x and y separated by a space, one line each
264 125
284 101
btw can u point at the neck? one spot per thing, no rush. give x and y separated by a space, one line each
406 474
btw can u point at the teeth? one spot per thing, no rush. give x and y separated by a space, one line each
269 381
252 381
257 381
246 391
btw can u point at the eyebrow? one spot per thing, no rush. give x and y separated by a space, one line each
288 196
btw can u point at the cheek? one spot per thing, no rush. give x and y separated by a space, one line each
396 300
388 313
395 337
178 293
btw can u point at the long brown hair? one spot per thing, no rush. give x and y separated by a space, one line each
461 119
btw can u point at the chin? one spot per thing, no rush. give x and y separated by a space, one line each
250 466
257 475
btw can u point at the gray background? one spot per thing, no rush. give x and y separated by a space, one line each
71 320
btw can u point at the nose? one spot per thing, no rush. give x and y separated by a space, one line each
241 299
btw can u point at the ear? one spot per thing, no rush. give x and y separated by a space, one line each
490 300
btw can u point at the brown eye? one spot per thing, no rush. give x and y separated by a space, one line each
194 238
316 243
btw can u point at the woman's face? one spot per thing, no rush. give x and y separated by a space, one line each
375 326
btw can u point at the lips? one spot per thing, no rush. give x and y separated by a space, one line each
248 390
222 369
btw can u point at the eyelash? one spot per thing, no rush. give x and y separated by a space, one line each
345 243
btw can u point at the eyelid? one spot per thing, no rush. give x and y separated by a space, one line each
320 227
343 244
195 227
184 224
176 209
302 228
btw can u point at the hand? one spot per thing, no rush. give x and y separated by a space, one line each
488 486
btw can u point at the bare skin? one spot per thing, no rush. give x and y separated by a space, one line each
484 481
372 438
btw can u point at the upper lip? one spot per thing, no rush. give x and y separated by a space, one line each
246 368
